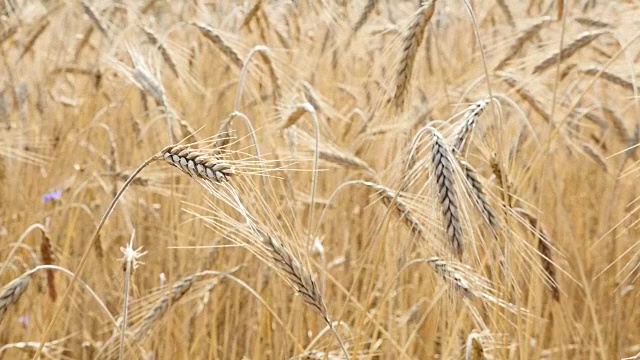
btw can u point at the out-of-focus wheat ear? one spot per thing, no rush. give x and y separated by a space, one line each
295 114
95 19
580 42
468 122
443 173
11 293
608 76
7 33
345 159
197 164
502 178
592 22
479 196
526 35
143 77
47 258
595 155
164 52
34 37
452 276
251 14
505 9
618 124
390 198
366 13
162 306
545 248
526 96
219 43
411 43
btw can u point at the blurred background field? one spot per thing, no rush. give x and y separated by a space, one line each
391 179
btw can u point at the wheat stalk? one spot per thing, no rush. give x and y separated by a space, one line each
411 43
265 55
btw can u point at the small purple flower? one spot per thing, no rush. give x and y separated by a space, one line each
24 320
51 196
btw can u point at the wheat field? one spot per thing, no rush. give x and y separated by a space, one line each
331 179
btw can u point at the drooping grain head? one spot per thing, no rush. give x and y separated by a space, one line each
197 164
443 173
11 293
